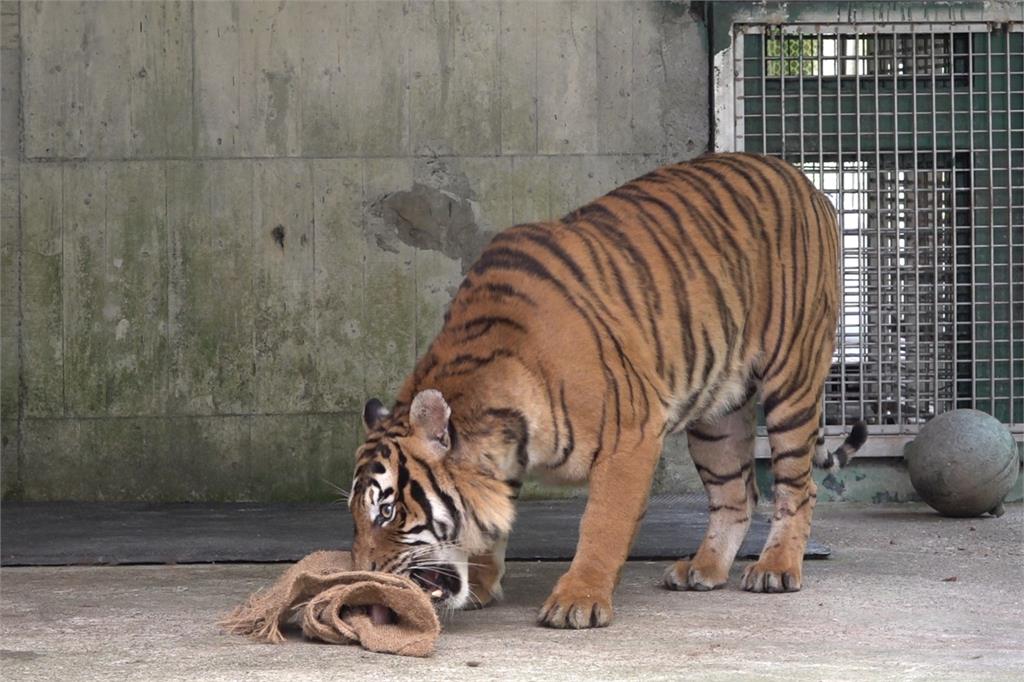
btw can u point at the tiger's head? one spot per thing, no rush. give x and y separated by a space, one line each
421 504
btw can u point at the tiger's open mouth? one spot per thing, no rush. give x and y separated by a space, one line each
440 583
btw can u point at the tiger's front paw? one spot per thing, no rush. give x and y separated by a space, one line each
772 575
575 604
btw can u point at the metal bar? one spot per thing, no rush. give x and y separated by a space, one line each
764 92
800 113
782 92
861 220
821 133
917 230
739 141
841 213
896 177
952 213
738 79
800 92
1009 225
878 226
935 239
991 237
887 26
974 270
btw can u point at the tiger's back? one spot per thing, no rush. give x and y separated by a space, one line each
668 294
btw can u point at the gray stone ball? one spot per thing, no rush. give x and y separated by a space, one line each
963 463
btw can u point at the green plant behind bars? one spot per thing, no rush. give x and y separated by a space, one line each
790 55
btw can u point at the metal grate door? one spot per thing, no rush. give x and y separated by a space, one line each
915 131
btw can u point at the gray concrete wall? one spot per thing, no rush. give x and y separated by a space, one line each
220 220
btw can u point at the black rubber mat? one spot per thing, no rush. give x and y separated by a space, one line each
84 533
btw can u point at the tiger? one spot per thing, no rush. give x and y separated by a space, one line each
573 347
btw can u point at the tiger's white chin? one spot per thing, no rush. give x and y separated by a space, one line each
458 560
459 599
445 579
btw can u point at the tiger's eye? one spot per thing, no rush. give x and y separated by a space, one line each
387 510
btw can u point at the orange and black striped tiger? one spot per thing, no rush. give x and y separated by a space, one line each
573 347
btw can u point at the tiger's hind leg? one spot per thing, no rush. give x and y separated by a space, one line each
793 423
485 574
723 451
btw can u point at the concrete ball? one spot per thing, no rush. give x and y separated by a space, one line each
963 463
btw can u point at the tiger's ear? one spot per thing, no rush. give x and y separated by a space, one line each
429 416
373 413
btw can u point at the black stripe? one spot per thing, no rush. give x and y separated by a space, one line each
600 436
700 435
544 240
446 500
790 454
482 325
467 363
711 478
504 290
795 421
420 497
798 481
514 429
549 389
571 442
718 507
403 475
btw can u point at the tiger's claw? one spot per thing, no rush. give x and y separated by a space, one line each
576 606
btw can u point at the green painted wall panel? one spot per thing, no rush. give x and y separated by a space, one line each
115 289
518 77
339 284
10 459
282 252
389 341
454 105
10 222
567 118
107 80
209 459
42 277
210 290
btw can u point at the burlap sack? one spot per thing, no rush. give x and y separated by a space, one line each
334 604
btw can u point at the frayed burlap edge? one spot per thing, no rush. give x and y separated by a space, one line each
320 588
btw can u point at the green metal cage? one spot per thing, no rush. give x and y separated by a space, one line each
915 131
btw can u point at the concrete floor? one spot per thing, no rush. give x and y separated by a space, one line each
883 607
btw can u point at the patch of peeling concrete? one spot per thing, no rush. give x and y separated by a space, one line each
434 219
441 216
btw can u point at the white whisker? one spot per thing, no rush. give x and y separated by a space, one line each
345 494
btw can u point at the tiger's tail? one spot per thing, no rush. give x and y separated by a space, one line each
838 458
